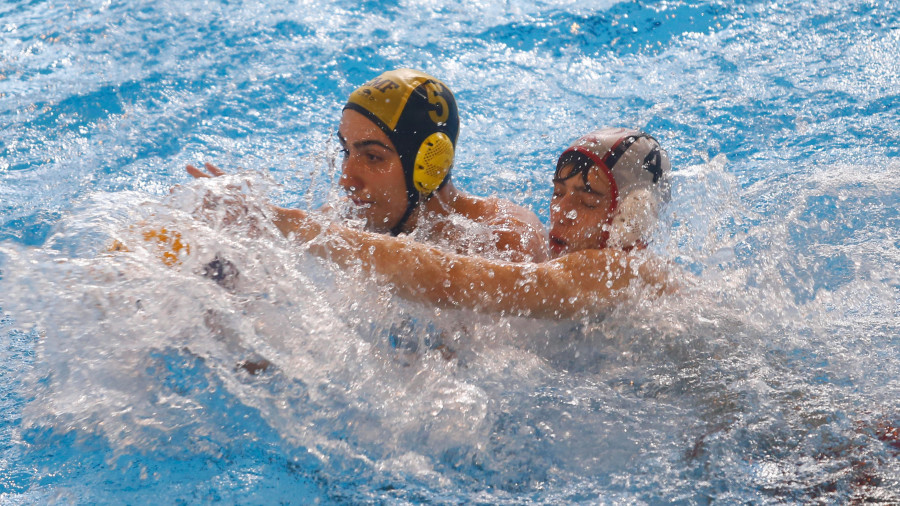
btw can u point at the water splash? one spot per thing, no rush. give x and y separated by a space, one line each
768 378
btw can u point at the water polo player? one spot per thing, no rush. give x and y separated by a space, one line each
608 188
607 191
398 133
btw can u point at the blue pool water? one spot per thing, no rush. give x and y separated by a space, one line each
772 377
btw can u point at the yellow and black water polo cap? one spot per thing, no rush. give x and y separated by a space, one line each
419 115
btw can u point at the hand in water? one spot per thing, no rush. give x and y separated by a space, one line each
237 207
228 208
221 270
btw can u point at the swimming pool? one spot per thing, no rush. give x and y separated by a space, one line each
772 379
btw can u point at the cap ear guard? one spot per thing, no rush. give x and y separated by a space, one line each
433 161
634 220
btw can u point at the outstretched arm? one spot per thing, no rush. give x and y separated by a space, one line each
212 171
575 285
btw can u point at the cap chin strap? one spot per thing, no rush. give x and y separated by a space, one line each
414 199
412 204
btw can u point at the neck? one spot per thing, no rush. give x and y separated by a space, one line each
441 203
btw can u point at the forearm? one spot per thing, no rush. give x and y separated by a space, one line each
574 285
427 274
344 246
417 271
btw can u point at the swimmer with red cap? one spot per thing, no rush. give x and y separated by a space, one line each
398 134
608 188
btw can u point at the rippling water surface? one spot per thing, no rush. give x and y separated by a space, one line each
772 377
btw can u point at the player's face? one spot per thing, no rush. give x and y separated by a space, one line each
371 172
580 215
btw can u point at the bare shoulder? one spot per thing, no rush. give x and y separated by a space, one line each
499 211
518 230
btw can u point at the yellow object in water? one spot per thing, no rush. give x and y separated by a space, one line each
168 245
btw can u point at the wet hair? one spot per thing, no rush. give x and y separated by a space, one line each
571 164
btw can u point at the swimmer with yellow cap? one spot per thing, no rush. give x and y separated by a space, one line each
398 135
608 188
418 114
